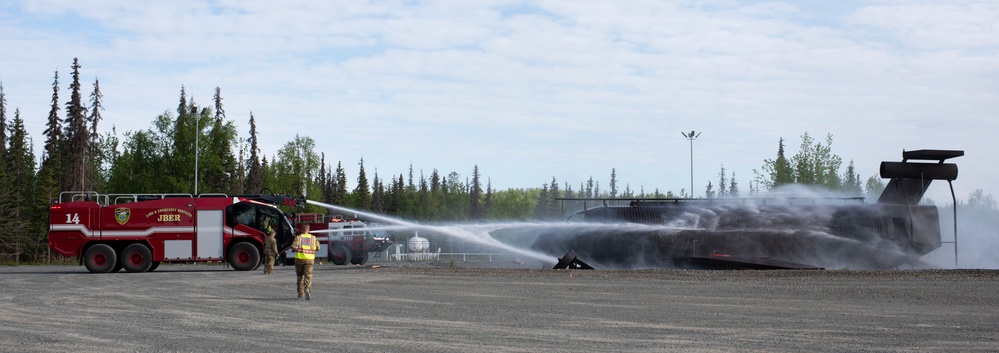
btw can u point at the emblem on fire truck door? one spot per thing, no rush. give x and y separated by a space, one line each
121 215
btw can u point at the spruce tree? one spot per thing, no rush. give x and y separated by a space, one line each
220 164
377 193
217 164
398 193
6 187
266 177
3 121
436 202
541 207
722 182
776 172
183 138
554 205
423 199
362 192
733 187
50 173
330 185
613 183
851 183
340 193
95 158
254 176
475 210
488 204
219 109
22 221
323 180
76 144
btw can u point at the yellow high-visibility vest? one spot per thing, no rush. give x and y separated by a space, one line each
307 246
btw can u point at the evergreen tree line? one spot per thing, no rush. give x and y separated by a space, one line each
197 149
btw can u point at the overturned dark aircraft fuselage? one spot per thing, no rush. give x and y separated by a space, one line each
764 233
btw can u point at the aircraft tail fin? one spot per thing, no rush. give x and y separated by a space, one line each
910 180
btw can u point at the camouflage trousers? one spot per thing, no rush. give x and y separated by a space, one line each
303 268
268 264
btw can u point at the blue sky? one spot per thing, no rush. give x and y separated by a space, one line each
534 90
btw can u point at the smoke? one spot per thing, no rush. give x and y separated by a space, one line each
977 239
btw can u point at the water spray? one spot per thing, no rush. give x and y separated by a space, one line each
476 233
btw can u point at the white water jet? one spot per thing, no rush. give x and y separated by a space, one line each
475 233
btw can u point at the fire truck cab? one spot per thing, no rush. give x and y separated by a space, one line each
137 232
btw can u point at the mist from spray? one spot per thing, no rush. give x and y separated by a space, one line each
977 239
808 218
474 233
515 238
793 223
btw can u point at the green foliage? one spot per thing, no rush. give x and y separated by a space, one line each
722 183
613 183
851 181
978 199
542 209
254 177
340 186
362 193
217 164
777 171
874 186
814 164
22 227
515 204
475 210
296 168
77 143
733 187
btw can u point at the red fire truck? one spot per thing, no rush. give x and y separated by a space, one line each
342 240
137 232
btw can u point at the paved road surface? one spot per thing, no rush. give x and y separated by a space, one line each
206 308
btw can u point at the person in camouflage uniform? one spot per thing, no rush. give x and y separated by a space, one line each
270 247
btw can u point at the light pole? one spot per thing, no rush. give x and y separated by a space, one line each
691 136
197 132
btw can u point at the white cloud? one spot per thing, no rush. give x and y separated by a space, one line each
528 90
935 25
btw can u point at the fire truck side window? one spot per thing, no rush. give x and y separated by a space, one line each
241 213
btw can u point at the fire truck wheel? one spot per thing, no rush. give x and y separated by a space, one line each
360 259
136 258
244 257
100 258
340 255
154 266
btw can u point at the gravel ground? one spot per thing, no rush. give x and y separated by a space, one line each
431 307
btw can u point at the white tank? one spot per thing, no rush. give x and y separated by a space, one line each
418 244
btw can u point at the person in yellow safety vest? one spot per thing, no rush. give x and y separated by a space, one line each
305 246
